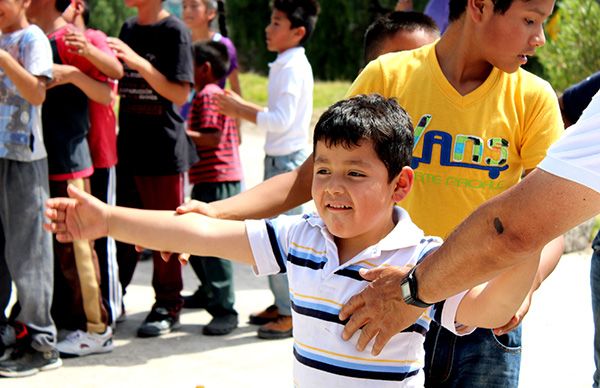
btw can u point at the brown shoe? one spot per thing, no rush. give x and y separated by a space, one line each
281 328
269 314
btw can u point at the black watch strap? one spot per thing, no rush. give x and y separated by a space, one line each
410 290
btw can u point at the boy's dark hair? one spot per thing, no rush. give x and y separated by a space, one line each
458 7
369 117
86 12
215 53
300 13
61 5
388 25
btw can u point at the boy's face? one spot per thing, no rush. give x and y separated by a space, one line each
12 15
352 193
508 39
280 34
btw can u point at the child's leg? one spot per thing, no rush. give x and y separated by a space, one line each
164 193
28 250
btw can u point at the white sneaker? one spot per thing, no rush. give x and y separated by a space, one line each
81 343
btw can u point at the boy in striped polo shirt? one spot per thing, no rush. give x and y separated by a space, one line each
217 175
362 151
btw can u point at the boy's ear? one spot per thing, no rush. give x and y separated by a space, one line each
404 182
475 8
299 33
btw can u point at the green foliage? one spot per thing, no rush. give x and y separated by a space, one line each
109 15
254 89
335 49
575 52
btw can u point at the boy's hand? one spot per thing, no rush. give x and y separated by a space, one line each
517 318
80 217
192 206
125 53
61 74
229 103
77 42
379 310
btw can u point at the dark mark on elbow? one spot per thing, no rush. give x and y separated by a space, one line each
498 225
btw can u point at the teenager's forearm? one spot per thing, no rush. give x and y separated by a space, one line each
176 92
94 90
271 197
107 64
504 231
194 233
248 111
30 87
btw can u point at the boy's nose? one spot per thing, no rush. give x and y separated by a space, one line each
539 39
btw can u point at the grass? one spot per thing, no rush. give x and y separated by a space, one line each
254 89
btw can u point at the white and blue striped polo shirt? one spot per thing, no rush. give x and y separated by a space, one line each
302 247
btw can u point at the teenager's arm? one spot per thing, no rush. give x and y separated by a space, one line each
174 91
84 217
233 105
30 87
94 90
108 64
508 229
270 198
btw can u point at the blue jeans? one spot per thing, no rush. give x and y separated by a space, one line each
275 165
480 359
595 286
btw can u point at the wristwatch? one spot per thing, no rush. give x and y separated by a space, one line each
410 290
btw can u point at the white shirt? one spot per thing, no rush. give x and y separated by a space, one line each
319 286
576 155
287 117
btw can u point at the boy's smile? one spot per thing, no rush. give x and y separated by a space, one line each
353 195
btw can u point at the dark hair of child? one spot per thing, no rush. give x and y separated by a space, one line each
301 13
215 53
373 118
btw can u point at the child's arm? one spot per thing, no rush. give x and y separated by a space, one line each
94 90
109 65
30 87
232 105
84 217
494 303
174 91
206 139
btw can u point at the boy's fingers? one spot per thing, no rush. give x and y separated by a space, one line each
371 274
351 306
381 340
367 332
355 323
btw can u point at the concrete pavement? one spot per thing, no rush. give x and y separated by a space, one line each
557 338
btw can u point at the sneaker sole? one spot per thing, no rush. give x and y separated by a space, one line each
147 334
33 371
274 335
83 354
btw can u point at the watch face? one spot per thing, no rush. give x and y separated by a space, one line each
405 288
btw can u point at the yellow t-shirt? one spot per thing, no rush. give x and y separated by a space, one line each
467 148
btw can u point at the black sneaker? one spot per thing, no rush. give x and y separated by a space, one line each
28 361
8 339
158 322
221 325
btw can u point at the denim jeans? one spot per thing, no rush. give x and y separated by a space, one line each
275 165
480 359
595 286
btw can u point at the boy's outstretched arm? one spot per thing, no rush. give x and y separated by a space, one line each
84 217
108 64
94 90
32 88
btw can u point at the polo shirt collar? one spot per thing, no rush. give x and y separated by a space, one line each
286 56
405 234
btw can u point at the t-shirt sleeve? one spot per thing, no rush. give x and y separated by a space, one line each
444 313
543 125
205 116
37 56
269 240
577 97
179 64
575 155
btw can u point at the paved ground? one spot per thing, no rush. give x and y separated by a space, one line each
557 335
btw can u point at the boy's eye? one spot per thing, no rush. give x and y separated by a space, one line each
356 174
322 171
529 22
